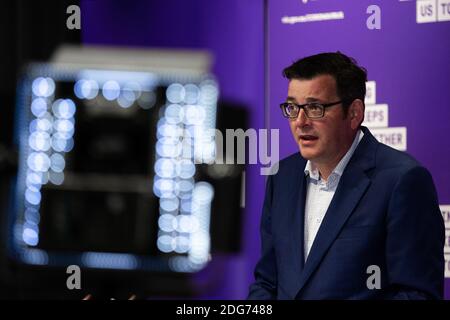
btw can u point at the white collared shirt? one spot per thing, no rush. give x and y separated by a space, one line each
319 194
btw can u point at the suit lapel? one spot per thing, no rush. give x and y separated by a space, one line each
295 224
352 186
298 222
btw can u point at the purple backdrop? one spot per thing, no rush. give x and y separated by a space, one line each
409 61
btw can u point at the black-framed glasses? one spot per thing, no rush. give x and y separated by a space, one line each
313 110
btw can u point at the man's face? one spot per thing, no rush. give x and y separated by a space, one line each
324 140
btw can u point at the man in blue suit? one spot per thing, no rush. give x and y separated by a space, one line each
347 217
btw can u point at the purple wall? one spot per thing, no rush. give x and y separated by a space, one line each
233 31
409 61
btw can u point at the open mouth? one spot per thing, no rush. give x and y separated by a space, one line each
308 137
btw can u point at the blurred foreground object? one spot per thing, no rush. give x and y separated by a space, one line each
115 158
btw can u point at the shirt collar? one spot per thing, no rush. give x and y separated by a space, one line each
313 172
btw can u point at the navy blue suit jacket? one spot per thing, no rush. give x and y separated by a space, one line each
384 213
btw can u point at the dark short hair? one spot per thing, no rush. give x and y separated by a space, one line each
350 78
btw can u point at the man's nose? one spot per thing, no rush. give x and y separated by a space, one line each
302 119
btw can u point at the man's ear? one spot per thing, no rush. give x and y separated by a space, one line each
356 113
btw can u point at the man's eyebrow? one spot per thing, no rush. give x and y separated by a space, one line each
291 99
309 99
